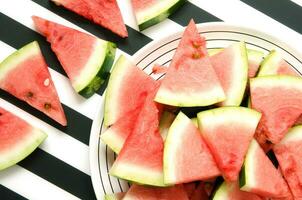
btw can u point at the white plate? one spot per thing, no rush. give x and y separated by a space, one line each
160 52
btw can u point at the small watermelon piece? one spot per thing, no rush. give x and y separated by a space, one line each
125 79
18 139
278 98
139 192
254 60
141 158
37 89
187 81
274 64
115 196
288 153
151 12
231 67
186 156
260 176
231 191
86 59
165 122
228 132
102 12
199 193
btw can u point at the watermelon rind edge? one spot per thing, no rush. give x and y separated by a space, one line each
103 67
110 139
294 134
158 16
272 81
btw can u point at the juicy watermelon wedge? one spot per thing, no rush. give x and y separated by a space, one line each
278 98
116 196
288 153
184 144
139 192
228 132
87 60
18 139
151 12
104 13
231 191
260 176
186 82
36 88
231 67
125 79
274 64
141 158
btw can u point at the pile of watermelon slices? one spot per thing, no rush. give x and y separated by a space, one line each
250 107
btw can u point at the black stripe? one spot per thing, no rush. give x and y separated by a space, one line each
284 11
59 173
79 126
8 194
133 43
17 35
189 11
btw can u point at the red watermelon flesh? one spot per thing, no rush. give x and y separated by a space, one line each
141 158
103 12
199 193
17 139
140 192
36 87
288 153
278 98
184 144
186 82
189 188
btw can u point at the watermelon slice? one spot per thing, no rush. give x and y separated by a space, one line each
165 122
274 64
228 132
86 60
139 192
116 196
184 144
260 176
102 12
231 67
231 191
278 98
289 153
150 12
36 89
125 79
254 60
141 158
200 193
18 139
186 82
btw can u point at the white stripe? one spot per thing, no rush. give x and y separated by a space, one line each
298 2
248 16
58 144
31 186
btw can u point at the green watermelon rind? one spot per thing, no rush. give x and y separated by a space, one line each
20 151
92 82
269 64
115 196
18 57
111 140
154 17
294 134
221 193
272 81
194 121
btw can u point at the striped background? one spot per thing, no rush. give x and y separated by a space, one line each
59 169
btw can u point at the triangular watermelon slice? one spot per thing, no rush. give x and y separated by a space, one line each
87 60
190 79
141 158
231 67
151 12
127 88
228 132
289 153
260 176
36 87
18 139
140 192
103 12
231 191
279 99
186 156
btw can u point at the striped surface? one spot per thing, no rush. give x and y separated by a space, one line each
59 169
